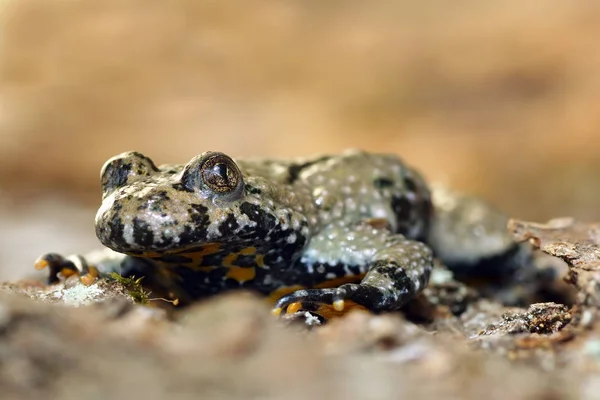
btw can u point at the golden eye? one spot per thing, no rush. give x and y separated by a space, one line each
220 174
213 175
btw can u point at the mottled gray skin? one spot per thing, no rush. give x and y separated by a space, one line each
214 224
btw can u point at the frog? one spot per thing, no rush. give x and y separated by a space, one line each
326 234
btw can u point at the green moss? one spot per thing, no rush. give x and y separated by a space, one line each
134 287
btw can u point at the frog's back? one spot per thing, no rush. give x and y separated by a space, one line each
355 186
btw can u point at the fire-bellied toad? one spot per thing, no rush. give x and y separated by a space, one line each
325 233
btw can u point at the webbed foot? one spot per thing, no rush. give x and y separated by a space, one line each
333 302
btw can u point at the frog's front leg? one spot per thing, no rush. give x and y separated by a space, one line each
88 267
103 262
395 269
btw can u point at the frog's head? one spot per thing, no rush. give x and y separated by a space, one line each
154 211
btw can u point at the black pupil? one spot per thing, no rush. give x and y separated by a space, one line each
218 175
221 171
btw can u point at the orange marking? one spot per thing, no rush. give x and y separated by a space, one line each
93 271
229 259
205 249
66 272
209 248
260 260
248 251
197 256
241 274
87 279
282 291
40 264
147 254
276 312
293 308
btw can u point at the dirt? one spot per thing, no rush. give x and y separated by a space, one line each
69 340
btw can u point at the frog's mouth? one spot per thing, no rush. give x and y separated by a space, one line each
198 250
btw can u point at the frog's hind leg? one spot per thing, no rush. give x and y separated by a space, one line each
396 270
471 237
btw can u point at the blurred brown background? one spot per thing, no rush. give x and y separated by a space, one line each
497 98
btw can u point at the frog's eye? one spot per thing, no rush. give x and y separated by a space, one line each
123 169
214 173
220 174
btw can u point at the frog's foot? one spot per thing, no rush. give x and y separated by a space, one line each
396 274
333 302
67 266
